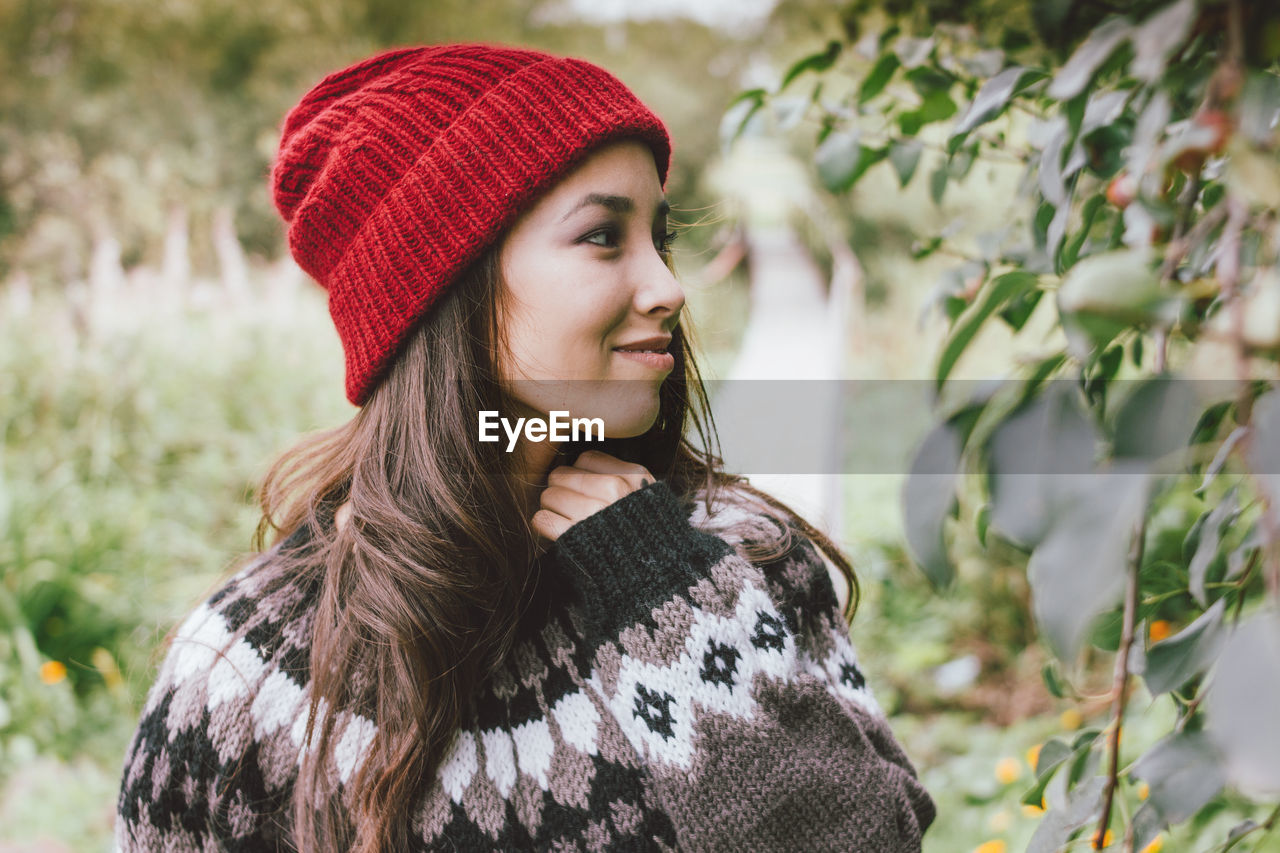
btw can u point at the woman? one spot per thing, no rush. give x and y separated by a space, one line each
475 645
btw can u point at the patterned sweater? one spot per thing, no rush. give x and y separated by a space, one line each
669 694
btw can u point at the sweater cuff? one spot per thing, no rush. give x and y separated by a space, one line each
634 555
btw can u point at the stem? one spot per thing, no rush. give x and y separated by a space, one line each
1119 693
1244 579
1189 710
1180 245
1229 280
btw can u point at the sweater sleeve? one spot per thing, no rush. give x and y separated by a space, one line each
737 688
211 762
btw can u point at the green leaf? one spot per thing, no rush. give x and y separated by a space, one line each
1119 285
928 499
748 95
1040 224
904 154
938 183
1088 213
1049 672
913 51
1057 825
1078 71
937 106
995 294
994 96
1028 456
1105 631
814 62
1263 452
1158 36
1052 755
1157 418
1241 703
1220 456
878 77
841 160
738 115
980 523
1078 570
1259 109
1109 363
928 80
1183 771
1188 653
961 161
1210 535
1020 308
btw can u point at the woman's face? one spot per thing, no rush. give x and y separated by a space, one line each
585 273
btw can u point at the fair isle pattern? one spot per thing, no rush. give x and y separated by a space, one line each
593 735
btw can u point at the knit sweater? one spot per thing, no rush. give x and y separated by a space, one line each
669 693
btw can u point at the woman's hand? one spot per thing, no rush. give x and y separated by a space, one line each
594 481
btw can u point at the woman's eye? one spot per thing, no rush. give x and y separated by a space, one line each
606 238
611 238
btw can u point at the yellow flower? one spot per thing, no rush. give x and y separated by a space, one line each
1033 811
106 665
1070 719
993 846
53 671
1106 839
1033 755
999 821
1159 630
1156 845
1144 790
1008 770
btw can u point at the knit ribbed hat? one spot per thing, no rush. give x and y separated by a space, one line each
395 173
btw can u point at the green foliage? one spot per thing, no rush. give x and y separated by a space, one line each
126 485
1136 496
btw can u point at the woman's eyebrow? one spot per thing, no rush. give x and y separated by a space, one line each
617 203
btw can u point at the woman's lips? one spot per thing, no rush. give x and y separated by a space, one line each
655 360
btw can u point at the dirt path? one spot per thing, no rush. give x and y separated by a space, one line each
778 413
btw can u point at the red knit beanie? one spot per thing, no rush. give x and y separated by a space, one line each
395 173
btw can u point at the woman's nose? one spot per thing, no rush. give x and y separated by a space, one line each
657 287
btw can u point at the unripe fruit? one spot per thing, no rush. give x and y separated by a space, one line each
1212 128
1220 123
1122 190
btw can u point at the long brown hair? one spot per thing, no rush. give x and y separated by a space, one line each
422 584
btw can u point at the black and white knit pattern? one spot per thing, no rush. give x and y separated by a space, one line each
642 712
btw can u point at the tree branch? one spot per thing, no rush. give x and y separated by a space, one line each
1119 689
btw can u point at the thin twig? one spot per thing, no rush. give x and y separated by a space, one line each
1179 246
1119 691
1244 580
1229 280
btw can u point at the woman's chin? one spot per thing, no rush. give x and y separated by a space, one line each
630 424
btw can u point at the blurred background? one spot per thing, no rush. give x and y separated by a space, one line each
158 348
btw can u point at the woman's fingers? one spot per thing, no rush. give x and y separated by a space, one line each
571 503
604 487
549 524
599 462
592 483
